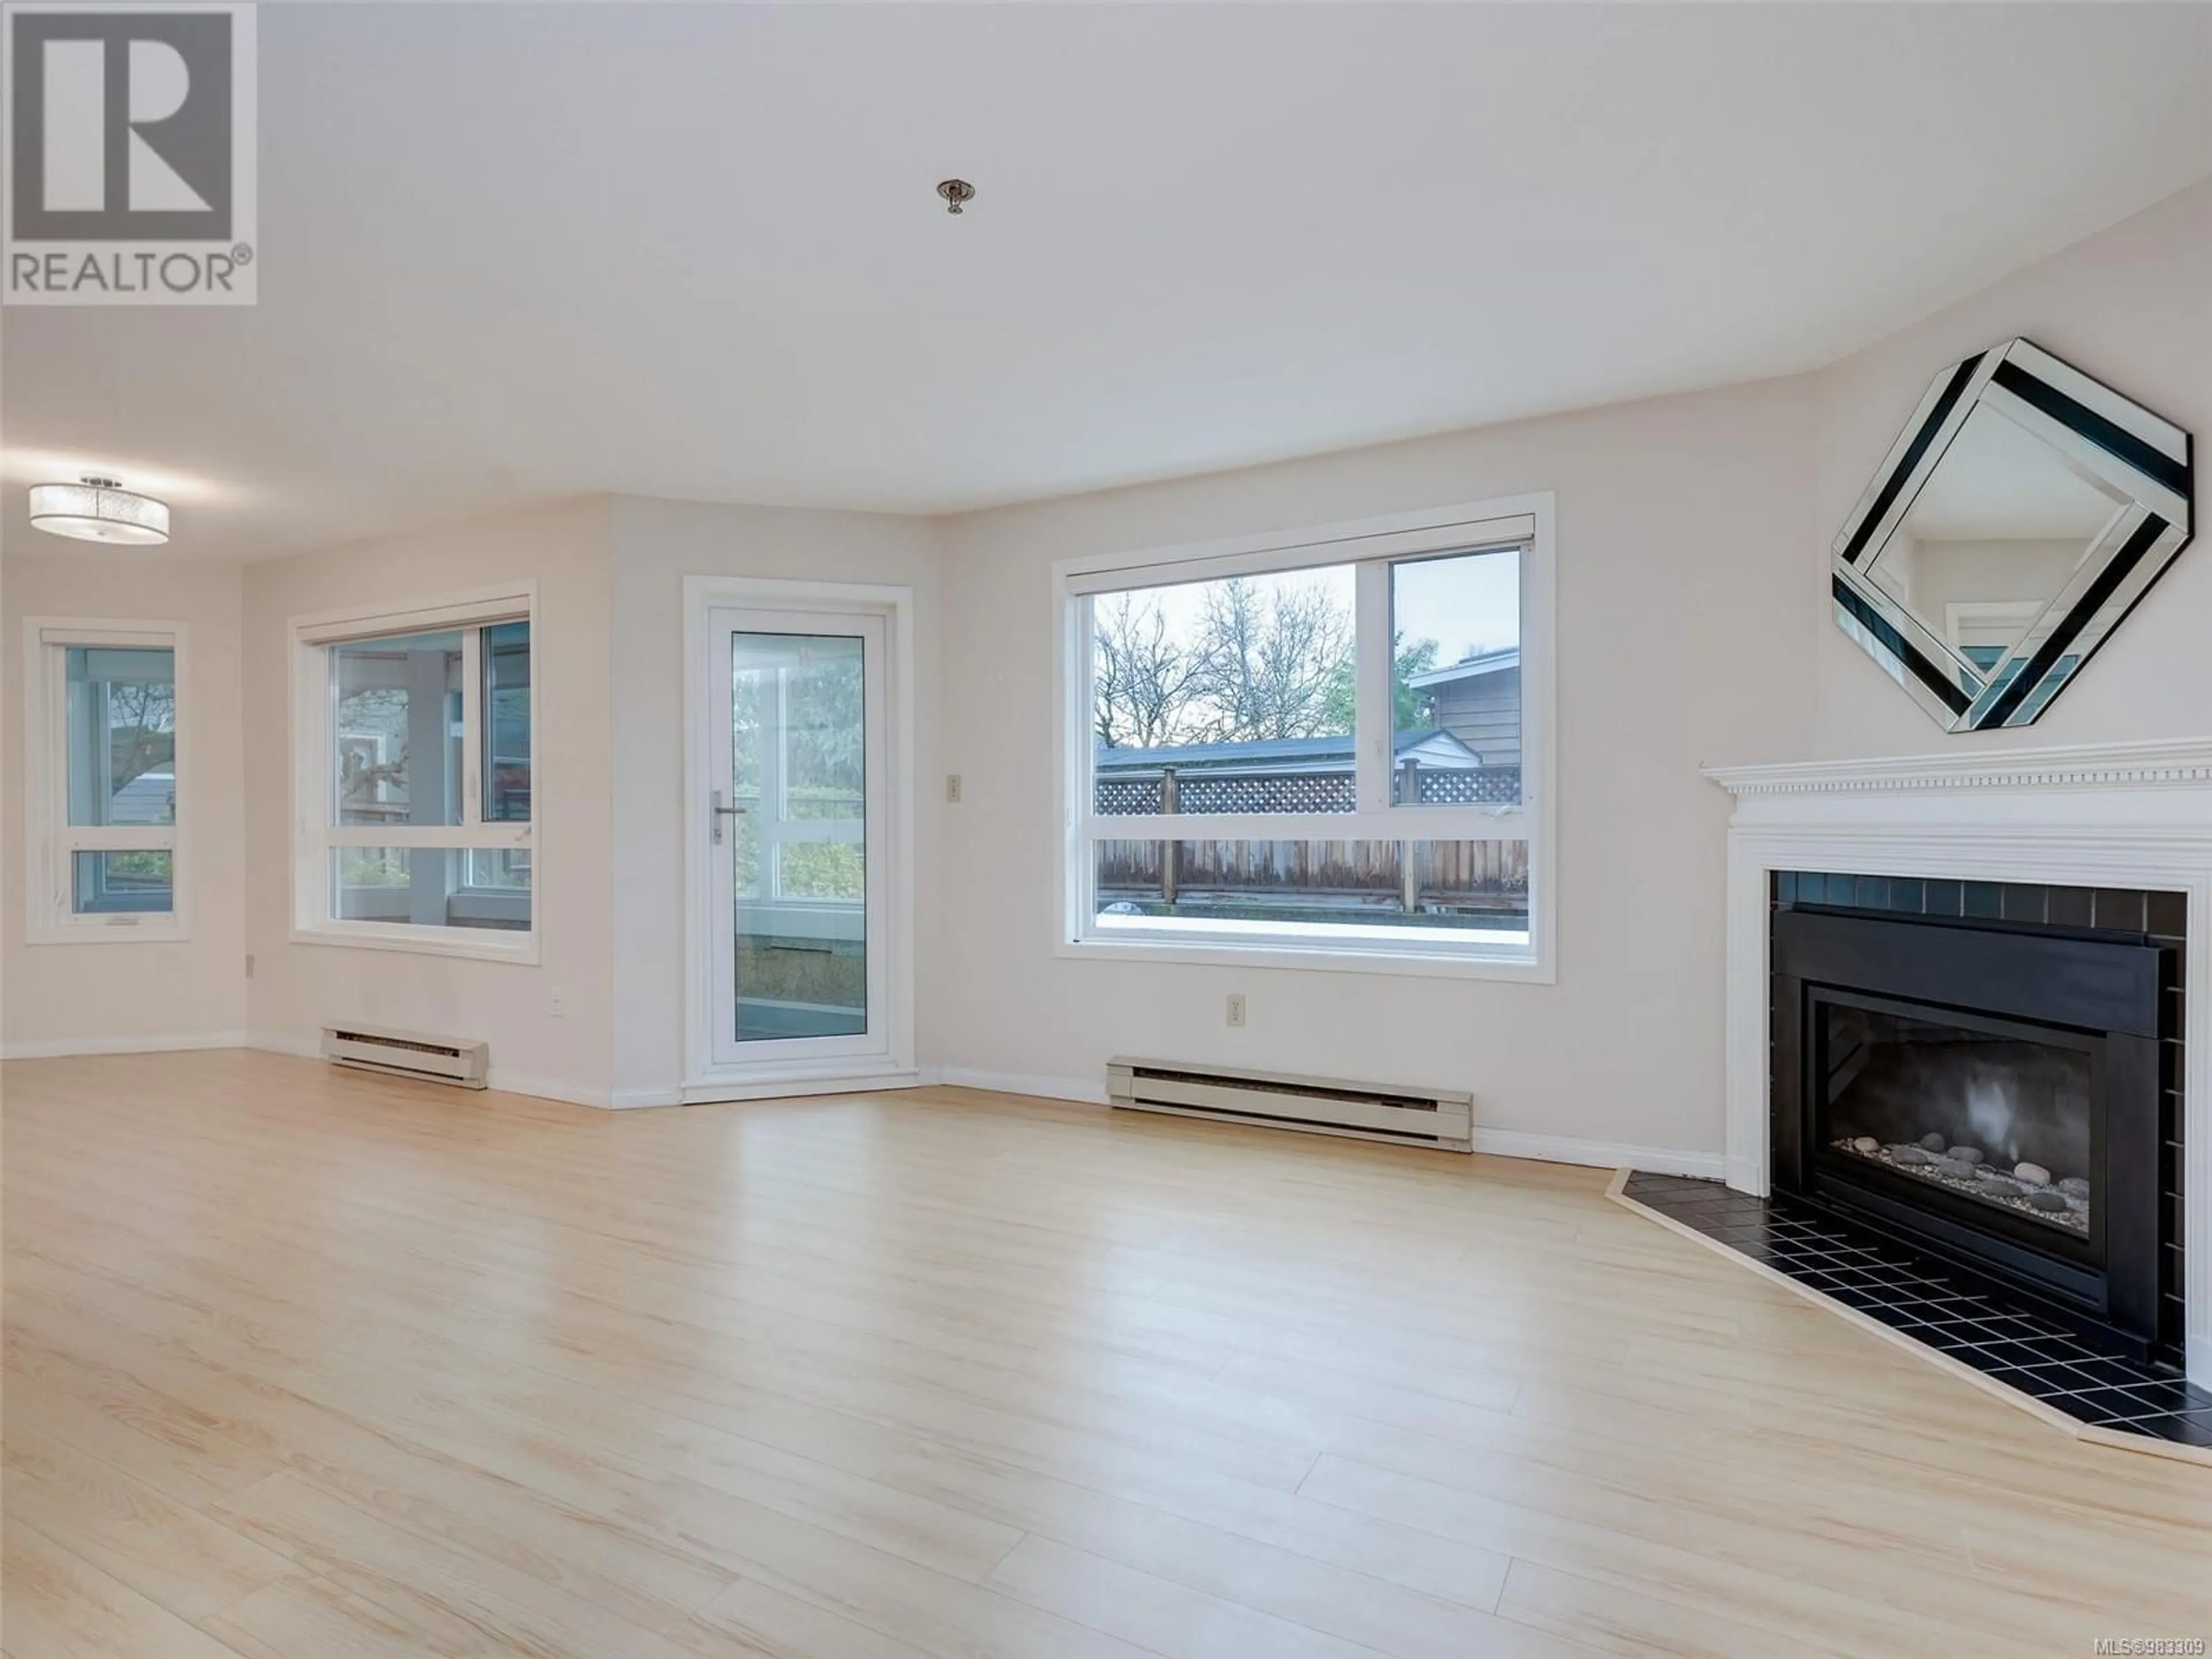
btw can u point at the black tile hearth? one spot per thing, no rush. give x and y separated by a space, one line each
1914 1295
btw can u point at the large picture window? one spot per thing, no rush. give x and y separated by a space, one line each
104 782
1336 748
417 773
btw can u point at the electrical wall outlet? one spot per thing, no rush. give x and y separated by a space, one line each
1236 1007
953 788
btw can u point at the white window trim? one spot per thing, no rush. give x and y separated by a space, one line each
705 1078
49 838
1527 519
314 836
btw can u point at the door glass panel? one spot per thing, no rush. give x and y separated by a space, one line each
798 838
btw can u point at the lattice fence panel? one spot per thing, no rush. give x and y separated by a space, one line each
1124 797
1482 786
1302 792
1295 791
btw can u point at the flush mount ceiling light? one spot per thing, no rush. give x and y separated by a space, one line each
97 509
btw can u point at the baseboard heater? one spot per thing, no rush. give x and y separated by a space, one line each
407 1053
1418 1117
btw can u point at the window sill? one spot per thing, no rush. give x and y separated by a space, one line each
165 931
1510 966
429 941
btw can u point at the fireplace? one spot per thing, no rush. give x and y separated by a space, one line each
1989 1092
1988 1109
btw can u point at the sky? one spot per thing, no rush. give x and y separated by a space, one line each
1467 605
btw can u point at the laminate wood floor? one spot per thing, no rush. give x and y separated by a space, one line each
306 1364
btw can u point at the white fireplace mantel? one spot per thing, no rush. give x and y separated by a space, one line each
2115 815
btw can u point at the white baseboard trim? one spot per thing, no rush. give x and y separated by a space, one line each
162 1043
625 1100
1089 1092
546 1088
1601 1154
506 1081
1498 1143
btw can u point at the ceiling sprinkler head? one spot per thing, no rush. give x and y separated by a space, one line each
955 192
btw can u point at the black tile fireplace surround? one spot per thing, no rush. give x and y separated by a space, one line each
1995 1094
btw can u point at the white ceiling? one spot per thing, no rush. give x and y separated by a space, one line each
511 251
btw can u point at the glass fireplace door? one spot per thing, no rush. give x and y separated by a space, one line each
1999 1115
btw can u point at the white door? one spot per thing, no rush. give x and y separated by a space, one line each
797 819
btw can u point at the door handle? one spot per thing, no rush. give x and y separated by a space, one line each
717 812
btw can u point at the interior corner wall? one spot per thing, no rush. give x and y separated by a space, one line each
1684 630
655 543
2131 306
91 998
299 987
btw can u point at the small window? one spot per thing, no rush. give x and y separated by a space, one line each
105 776
418 770
1335 760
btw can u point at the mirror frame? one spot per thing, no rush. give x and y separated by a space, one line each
2145 458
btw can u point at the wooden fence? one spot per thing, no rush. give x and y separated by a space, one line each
1408 875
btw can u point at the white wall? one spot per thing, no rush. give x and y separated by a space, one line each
2131 306
655 545
89 998
1933 575
299 987
609 850
1684 630
1693 628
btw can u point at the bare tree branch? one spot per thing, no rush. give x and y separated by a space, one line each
1275 662
1148 683
142 727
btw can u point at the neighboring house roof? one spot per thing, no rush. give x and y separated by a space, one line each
1428 748
1489 662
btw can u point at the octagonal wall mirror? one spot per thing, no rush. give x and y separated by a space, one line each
2020 515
